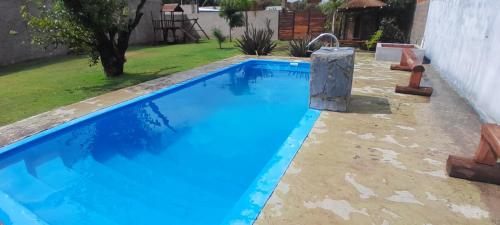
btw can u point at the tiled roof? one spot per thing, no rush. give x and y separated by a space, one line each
358 4
172 8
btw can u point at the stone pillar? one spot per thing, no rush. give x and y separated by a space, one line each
331 79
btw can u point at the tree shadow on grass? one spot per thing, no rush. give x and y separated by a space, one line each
369 105
37 64
129 79
226 48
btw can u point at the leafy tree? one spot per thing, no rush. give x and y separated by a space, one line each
391 31
98 28
231 11
372 43
329 8
397 21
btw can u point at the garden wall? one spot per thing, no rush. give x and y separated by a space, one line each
462 40
15 40
210 20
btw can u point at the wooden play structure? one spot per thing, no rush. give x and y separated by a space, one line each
410 62
484 167
173 23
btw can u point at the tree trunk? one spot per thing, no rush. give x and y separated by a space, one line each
112 53
333 22
230 38
112 64
246 21
110 41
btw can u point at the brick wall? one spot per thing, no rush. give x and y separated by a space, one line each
15 39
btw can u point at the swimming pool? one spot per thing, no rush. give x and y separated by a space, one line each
207 151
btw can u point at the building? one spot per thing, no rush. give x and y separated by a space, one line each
359 19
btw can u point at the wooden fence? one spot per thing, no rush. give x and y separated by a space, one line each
296 25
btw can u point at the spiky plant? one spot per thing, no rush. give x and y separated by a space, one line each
257 41
219 36
298 47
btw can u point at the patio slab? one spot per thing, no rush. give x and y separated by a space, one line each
384 161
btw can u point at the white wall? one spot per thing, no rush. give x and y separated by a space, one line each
462 39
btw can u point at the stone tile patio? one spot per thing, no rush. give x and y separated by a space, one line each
381 163
384 161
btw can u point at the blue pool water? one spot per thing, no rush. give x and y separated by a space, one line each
207 151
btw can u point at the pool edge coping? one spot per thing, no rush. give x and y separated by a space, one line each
252 202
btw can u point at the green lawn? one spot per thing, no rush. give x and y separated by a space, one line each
31 88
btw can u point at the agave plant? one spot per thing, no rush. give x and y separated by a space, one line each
257 41
298 47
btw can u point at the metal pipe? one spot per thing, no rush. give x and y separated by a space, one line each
334 38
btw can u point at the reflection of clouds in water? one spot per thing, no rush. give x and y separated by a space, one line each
242 78
134 129
126 131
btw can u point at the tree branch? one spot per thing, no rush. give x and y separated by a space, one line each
76 7
138 15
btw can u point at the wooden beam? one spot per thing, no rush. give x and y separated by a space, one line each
400 67
465 168
422 91
491 132
484 153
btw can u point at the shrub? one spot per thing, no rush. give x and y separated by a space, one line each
257 41
219 36
370 44
391 31
298 47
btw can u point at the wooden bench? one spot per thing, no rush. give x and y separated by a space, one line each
409 62
483 167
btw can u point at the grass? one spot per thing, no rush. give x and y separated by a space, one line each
31 88
281 49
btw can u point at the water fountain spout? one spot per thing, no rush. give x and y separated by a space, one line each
333 38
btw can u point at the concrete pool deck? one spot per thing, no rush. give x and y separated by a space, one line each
384 161
381 163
